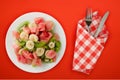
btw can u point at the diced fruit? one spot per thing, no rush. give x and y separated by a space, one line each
41 27
21 43
22 59
36 62
40 51
36 42
29 61
16 48
56 36
51 44
40 44
57 49
50 54
46 60
26 29
23 24
58 45
54 59
33 29
33 37
16 34
46 47
45 36
27 55
52 39
35 55
32 25
20 51
38 20
18 57
49 25
30 45
24 36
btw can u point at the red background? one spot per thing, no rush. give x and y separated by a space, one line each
67 12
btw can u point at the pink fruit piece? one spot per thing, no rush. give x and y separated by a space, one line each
56 36
16 34
26 29
29 61
45 36
54 59
33 30
18 57
35 55
36 62
16 48
38 20
50 54
27 55
41 27
49 25
22 59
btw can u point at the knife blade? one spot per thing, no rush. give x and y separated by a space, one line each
100 27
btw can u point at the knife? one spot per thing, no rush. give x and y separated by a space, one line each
100 27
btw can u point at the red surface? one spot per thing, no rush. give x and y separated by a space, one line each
67 12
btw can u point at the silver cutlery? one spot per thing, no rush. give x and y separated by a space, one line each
88 18
100 27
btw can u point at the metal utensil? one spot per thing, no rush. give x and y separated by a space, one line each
100 27
88 18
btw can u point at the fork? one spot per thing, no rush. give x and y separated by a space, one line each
88 18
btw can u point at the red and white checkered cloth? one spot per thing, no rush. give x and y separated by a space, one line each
87 48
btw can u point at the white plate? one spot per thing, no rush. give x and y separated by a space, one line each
9 42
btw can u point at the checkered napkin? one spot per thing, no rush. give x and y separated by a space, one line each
87 48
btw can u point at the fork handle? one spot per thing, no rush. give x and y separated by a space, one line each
88 29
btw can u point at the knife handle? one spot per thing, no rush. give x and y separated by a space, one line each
101 25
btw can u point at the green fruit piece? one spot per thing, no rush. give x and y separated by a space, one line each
40 44
46 47
52 39
58 44
57 49
22 43
23 24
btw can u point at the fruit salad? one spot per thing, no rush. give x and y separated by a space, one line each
36 42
